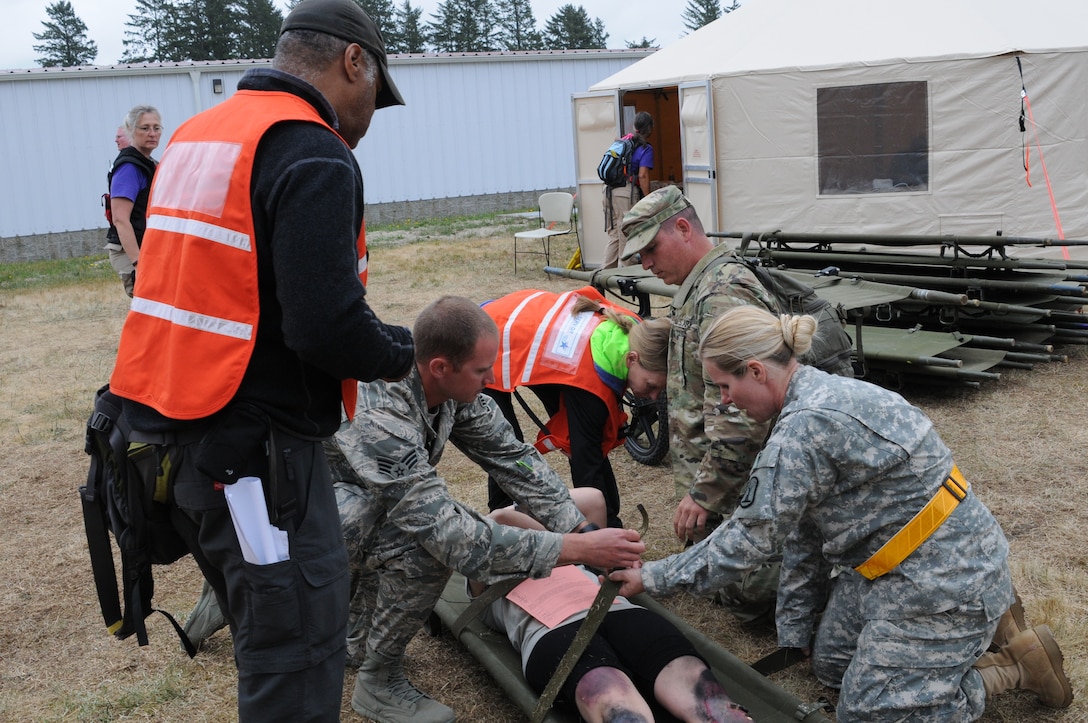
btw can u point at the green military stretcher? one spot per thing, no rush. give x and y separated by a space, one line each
895 326
764 700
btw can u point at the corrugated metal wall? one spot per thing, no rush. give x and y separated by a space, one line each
476 126
479 124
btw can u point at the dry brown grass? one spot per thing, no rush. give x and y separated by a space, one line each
1021 441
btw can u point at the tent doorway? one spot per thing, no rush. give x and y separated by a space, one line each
663 104
599 119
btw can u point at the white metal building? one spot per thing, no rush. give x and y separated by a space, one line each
480 132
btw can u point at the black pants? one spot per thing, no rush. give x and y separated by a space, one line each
636 641
287 618
587 417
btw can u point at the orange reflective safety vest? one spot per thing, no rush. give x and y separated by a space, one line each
192 327
542 342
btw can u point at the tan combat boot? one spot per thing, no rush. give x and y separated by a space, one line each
383 693
1029 661
205 618
1012 623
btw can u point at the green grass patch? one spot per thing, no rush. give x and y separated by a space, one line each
58 272
430 229
141 698
69 272
440 226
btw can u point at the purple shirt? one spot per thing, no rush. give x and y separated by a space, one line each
127 182
642 157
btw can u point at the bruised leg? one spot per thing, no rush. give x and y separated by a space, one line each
687 688
607 695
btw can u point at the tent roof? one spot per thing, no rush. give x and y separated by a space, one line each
767 35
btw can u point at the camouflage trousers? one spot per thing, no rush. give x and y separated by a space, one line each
911 669
395 583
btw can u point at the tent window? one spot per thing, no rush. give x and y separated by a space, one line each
873 138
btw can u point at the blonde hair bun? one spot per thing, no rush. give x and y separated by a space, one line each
797 332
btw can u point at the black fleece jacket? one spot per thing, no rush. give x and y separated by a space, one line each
315 326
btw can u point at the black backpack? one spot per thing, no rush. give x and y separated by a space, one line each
616 162
832 348
125 495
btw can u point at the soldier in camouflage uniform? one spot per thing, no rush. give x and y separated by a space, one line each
855 477
405 532
713 445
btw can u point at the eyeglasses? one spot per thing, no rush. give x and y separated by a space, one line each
145 129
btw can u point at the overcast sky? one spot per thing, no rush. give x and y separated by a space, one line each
624 20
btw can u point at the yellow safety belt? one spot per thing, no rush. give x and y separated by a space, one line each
951 492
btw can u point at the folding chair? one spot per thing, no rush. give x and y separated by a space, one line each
556 219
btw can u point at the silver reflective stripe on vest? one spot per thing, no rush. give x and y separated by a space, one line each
193 320
538 337
507 330
200 229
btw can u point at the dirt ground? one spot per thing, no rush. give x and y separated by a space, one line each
1021 441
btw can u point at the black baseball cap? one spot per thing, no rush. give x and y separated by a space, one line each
348 21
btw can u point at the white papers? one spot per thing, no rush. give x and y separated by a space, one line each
262 542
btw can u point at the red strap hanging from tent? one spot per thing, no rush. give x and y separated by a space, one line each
1025 103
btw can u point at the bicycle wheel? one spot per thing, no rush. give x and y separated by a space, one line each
647 434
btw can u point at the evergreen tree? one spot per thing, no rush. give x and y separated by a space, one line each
517 26
700 12
151 33
462 26
406 34
64 41
703 12
381 12
571 29
644 43
259 24
207 29
442 29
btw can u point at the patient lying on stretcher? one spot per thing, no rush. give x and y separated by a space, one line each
636 663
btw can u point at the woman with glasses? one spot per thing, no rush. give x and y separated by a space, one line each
130 184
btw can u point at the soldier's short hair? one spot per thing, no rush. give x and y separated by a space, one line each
449 328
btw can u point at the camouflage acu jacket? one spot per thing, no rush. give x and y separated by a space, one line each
712 447
394 445
846 465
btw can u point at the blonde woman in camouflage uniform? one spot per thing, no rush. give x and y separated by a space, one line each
405 532
855 477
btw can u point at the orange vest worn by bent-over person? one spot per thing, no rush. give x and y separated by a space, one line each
192 327
541 342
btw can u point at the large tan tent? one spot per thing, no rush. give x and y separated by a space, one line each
857 116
